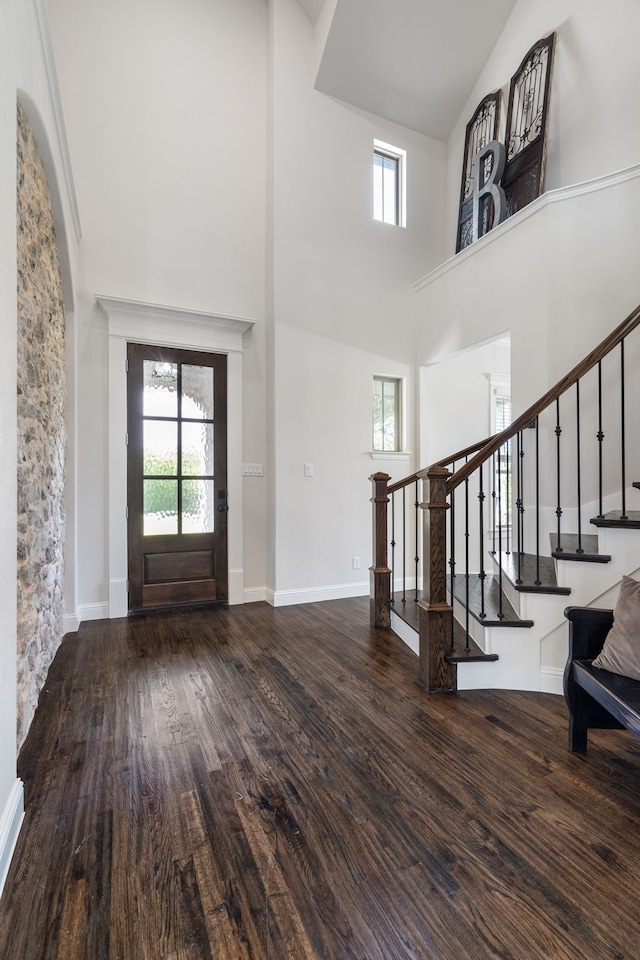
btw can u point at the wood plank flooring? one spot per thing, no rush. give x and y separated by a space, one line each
272 784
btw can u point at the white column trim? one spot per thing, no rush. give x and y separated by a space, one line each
56 105
139 322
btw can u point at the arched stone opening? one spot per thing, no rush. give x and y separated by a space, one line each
41 392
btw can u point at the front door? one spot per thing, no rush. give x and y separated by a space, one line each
176 477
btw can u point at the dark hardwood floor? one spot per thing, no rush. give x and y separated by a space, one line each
273 784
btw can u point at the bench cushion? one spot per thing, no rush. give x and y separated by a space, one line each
621 650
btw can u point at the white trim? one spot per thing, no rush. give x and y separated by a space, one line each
135 320
406 633
552 680
390 455
56 105
339 591
71 623
257 594
10 823
553 196
184 327
93 611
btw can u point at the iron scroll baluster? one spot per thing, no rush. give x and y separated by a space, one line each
558 433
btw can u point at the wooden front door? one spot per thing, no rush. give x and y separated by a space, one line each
176 477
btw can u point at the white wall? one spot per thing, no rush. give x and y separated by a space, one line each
460 386
343 310
165 107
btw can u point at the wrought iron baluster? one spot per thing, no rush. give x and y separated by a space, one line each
537 580
519 508
481 499
452 558
393 546
507 479
493 506
404 545
417 534
522 508
452 535
558 432
579 468
499 517
600 439
623 460
466 559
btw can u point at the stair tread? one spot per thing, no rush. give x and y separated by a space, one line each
570 544
614 519
407 609
465 649
491 602
530 574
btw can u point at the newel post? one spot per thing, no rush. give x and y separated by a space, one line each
380 574
435 614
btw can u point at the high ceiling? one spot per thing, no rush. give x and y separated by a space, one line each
412 61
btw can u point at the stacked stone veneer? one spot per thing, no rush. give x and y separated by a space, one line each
41 430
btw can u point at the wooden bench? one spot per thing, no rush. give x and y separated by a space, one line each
597 699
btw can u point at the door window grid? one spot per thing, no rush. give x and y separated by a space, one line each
178 497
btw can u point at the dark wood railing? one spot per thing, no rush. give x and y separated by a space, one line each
477 472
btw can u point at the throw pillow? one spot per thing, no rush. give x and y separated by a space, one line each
621 650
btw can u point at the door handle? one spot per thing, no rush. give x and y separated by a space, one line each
222 508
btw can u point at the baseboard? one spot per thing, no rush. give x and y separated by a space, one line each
93 611
551 680
340 591
256 594
10 823
236 586
71 623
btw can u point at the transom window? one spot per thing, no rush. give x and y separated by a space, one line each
388 183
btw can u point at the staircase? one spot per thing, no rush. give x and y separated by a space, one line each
505 531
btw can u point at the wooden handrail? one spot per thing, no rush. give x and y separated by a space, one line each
529 416
406 481
461 453
399 484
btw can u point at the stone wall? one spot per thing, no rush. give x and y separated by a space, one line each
41 430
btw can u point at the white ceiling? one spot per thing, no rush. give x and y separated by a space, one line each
412 61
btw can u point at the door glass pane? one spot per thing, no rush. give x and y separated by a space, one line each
197 449
197 392
160 389
161 448
197 506
160 507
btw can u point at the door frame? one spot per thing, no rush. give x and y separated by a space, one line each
158 325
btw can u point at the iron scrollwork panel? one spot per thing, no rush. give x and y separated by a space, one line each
523 178
481 129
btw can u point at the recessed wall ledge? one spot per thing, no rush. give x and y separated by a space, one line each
552 196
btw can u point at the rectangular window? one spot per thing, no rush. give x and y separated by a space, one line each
387 424
388 183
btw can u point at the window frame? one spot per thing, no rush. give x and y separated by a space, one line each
398 417
398 157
